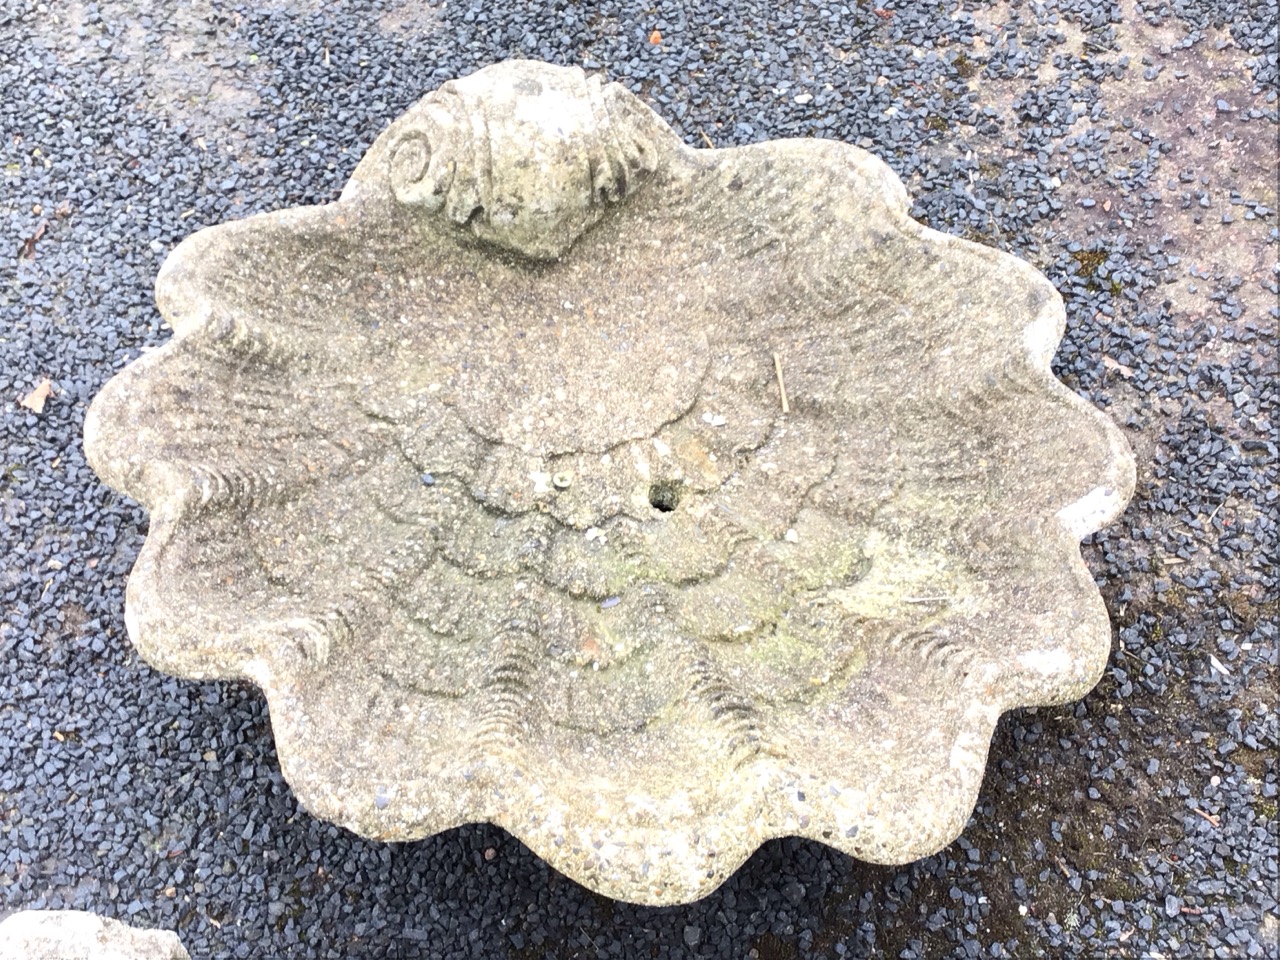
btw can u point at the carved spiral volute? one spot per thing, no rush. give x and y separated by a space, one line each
527 157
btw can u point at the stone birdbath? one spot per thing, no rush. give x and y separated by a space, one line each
646 501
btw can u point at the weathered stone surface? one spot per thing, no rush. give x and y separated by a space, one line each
650 502
75 935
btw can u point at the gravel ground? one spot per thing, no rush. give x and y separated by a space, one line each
1128 150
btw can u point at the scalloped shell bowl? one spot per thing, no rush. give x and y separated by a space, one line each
648 502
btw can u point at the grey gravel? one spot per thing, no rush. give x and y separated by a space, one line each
1140 822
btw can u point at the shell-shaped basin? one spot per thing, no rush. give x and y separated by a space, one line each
649 502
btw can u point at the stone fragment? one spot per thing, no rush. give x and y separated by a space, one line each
648 501
76 935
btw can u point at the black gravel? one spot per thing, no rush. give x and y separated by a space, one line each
1130 155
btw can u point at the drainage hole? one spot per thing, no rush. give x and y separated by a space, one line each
665 495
